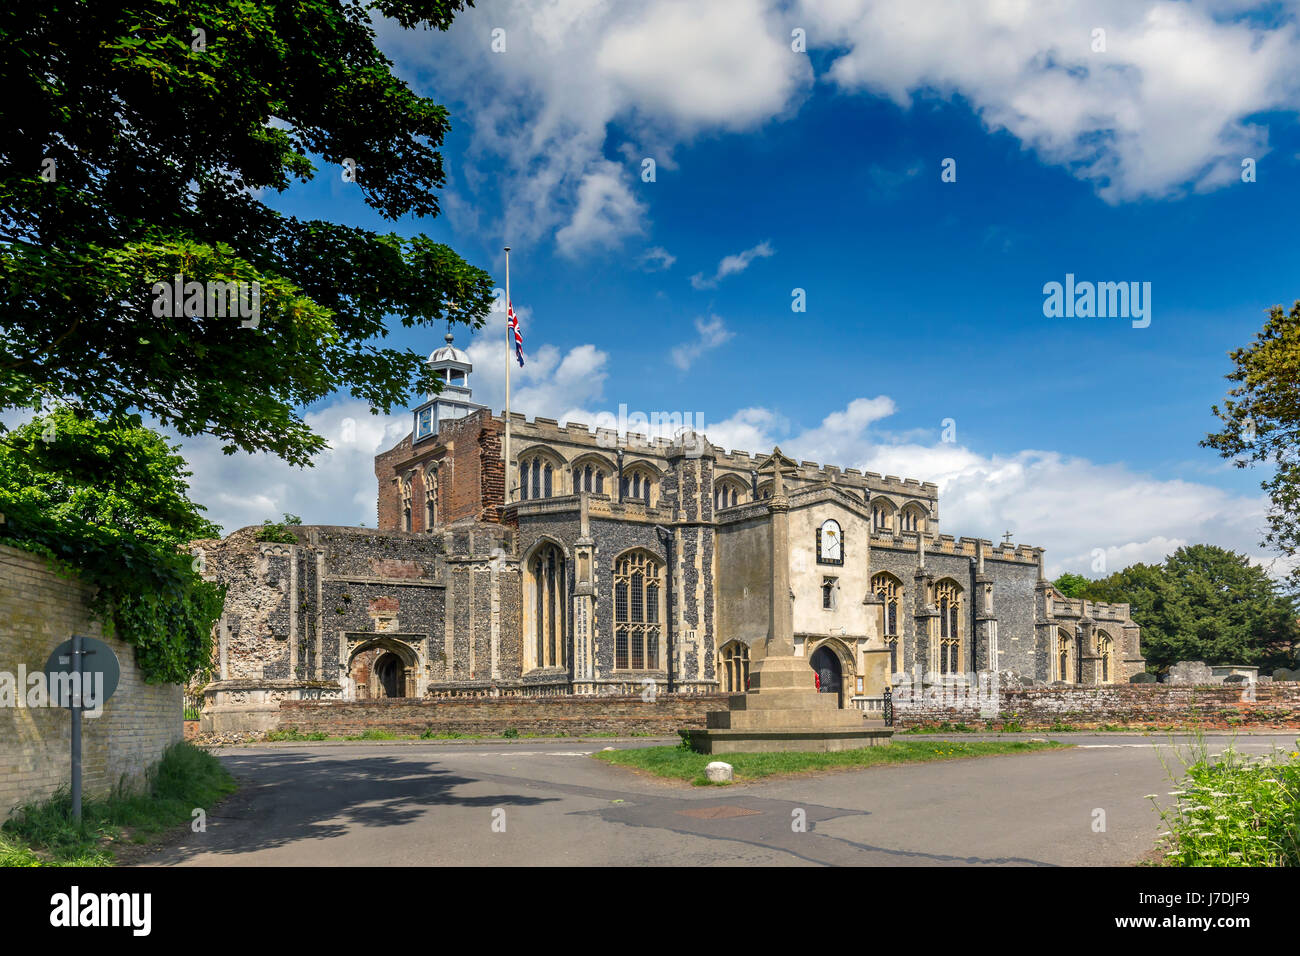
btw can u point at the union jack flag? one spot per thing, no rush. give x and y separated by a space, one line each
512 323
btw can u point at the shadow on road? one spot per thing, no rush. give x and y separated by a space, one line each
290 796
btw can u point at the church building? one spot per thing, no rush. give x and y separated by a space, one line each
594 562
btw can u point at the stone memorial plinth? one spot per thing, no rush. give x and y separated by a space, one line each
783 710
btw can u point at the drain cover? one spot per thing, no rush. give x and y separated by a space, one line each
718 813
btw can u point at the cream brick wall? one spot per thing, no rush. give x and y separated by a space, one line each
38 610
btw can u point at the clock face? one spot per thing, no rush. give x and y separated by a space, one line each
832 542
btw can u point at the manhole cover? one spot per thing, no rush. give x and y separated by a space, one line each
718 813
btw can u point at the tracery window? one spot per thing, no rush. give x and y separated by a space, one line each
1064 670
637 484
882 516
891 594
536 477
912 519
430 498
734 658
638 590
1104 648
588 478
948 598
548 603
406 500
726 495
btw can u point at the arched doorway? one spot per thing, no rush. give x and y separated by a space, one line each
391 673
383 667
827 665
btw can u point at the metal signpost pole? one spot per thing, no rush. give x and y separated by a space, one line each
76 727
67 670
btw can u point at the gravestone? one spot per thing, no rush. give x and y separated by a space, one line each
1191 672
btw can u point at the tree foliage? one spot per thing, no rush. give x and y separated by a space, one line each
139 137
1205 603
1071 585
109 502
1261 422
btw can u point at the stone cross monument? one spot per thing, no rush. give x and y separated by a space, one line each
783 710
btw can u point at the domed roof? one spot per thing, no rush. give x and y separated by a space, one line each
449 353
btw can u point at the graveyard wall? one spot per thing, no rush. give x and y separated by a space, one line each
569 715
1219 706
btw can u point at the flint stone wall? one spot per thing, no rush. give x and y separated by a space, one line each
1215 706
572 716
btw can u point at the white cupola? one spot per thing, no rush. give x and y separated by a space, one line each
451 367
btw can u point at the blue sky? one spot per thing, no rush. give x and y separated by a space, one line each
820 171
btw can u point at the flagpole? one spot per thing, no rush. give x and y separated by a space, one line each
509 345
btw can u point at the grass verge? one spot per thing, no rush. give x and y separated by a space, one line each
682 763
1232 809
44 834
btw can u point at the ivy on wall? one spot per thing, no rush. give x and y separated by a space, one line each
106 502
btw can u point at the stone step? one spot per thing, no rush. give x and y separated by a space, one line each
769 699
794 720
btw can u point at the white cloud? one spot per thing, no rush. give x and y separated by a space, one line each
656 259
552 383
733 264
1069 505
243 489
665 71
1166 108
722 64
710 333
753 430
606 212
1166 105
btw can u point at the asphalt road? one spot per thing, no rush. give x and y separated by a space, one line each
548 803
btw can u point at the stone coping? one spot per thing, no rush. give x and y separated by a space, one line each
450 741
259 683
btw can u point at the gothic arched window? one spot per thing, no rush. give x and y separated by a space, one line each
891 595
637 485
430 498
727 493
912 519
588 478
1104 648
948 598
407 481
882 515
638 590
536 477
1064 656
547 596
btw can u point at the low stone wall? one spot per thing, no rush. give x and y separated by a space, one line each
249 706
40 609
572 716
1217 706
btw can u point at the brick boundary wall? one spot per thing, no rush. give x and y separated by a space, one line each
40 609
573 716
1216 707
